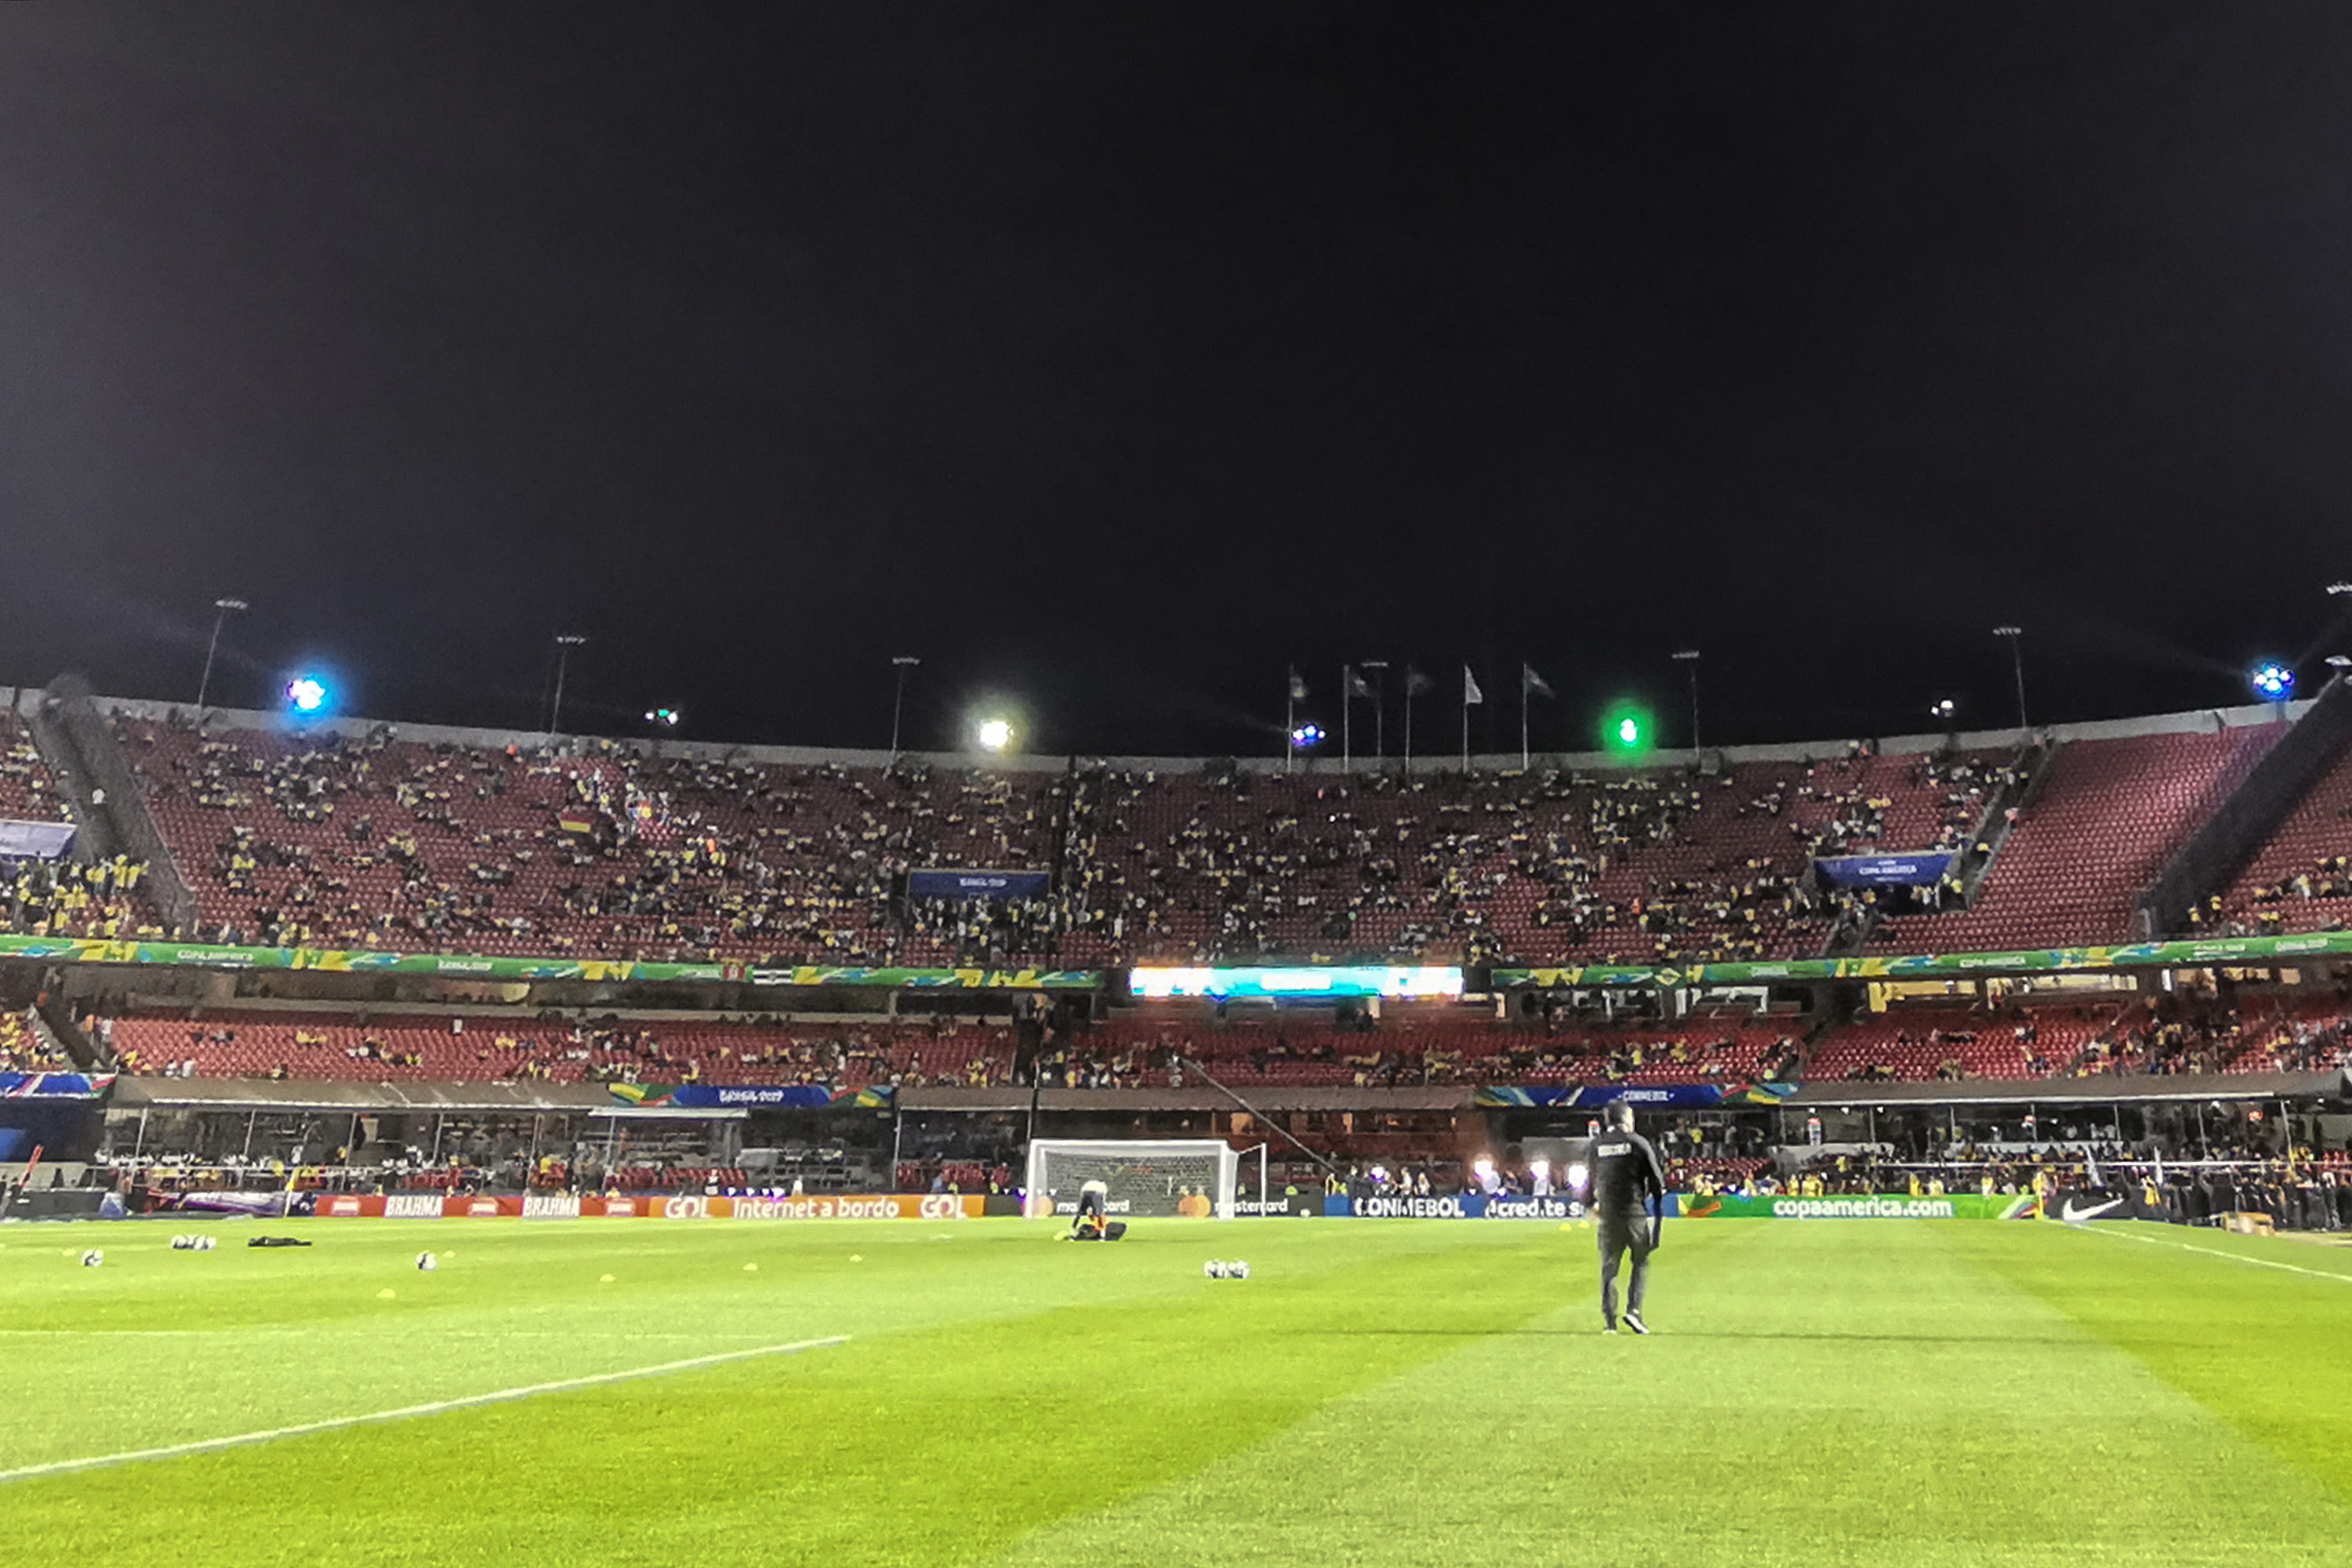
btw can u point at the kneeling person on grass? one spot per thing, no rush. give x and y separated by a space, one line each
1626 1175
1093 1221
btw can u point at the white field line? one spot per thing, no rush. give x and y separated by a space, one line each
407 1412
2200 1251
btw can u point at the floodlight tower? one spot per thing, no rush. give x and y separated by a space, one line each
903 662
222 610
2015 637
564 643
1689 657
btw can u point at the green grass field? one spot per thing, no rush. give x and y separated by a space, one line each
1861 1392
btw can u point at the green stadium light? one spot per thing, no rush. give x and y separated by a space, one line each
1625 727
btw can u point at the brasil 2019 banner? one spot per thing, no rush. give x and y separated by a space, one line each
1865 1206
753 1096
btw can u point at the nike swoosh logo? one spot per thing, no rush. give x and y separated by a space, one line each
2074 1216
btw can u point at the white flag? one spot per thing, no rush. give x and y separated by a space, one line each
1470 692
1530 682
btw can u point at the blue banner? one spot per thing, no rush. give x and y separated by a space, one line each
35 840
54 1085
1920 870
935 883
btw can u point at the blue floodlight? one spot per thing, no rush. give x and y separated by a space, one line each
2272 681
1307 736
309 696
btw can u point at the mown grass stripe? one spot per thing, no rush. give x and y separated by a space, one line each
410 1412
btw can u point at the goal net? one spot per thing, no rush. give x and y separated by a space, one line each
1190 1176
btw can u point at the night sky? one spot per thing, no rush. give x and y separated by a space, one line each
1113 359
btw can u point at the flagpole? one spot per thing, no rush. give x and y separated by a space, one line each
1346 720
1524 761
1408 722
1290 721
1466 735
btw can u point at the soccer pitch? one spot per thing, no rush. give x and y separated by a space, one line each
1862 1392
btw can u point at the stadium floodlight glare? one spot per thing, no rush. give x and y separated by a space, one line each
2272 681
309 696
2339 590
1307 737
1625 727
666 718
2341 664
994 734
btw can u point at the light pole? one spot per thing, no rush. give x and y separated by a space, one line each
1689 656
222 609
1946 712
905 662
2015 637
1380 668
564 643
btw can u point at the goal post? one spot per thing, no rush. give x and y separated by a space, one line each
1175 1176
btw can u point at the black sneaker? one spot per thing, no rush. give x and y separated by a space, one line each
1634 1321
1608 1328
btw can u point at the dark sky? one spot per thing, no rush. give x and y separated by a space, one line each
1114 357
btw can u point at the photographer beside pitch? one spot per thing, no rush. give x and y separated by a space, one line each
1626 1176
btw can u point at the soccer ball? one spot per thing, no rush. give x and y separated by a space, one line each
206 1243
92 1258
183 1244
427 1262
1237 1270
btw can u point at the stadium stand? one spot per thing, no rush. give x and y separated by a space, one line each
399 846
27 793
331 1045
1635 866
24 1048
2104 819
2301 879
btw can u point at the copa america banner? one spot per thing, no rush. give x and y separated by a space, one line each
35 840
1920 870
936 883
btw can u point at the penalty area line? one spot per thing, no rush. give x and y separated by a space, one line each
409 1412
2204 1252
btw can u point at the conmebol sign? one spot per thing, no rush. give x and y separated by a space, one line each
1335 980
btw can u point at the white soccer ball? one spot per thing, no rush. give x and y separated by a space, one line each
1238 1270
1217 1268
184 1243
92 1258
206 1243
427 1262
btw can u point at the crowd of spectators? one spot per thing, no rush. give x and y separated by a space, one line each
25 1048
95 899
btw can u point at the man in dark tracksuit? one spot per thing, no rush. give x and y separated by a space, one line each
1626 1174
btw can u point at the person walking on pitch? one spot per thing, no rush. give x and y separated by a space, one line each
1626 1177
